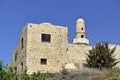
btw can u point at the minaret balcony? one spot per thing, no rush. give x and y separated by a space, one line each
81 41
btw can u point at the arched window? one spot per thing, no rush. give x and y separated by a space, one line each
82 36
22 65
81 28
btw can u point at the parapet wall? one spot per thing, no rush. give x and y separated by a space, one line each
116 53
77 53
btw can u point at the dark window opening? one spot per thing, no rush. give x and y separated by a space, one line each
44 61
82 36
81 28
46 37
22 43
22 65
15 68
30 25
15 56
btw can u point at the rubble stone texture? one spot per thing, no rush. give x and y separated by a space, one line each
34 54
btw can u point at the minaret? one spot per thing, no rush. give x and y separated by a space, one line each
80 33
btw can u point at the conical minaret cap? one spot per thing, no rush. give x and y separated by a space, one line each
80 20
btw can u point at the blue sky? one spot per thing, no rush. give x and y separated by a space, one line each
102 18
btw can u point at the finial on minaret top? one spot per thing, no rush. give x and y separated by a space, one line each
80 20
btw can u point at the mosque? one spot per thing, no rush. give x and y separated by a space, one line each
44 47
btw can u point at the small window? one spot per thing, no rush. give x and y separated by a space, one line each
82 36
22 43
43 61
15 56
15 68
46 37
81 28
22 65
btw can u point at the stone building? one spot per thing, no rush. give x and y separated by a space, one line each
44 47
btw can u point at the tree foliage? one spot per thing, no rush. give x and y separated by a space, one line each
101 56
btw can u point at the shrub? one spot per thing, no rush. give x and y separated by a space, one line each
81 74
101 56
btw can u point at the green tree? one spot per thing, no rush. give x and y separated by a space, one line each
2 72
101 56
24 75
11 73
7 73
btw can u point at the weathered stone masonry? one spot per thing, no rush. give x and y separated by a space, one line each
44 47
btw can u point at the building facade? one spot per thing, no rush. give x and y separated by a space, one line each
44 47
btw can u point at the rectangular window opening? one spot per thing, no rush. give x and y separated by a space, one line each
43 61
22 43
46 37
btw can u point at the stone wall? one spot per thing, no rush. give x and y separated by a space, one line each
116 53
19 54
77 54
54 51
